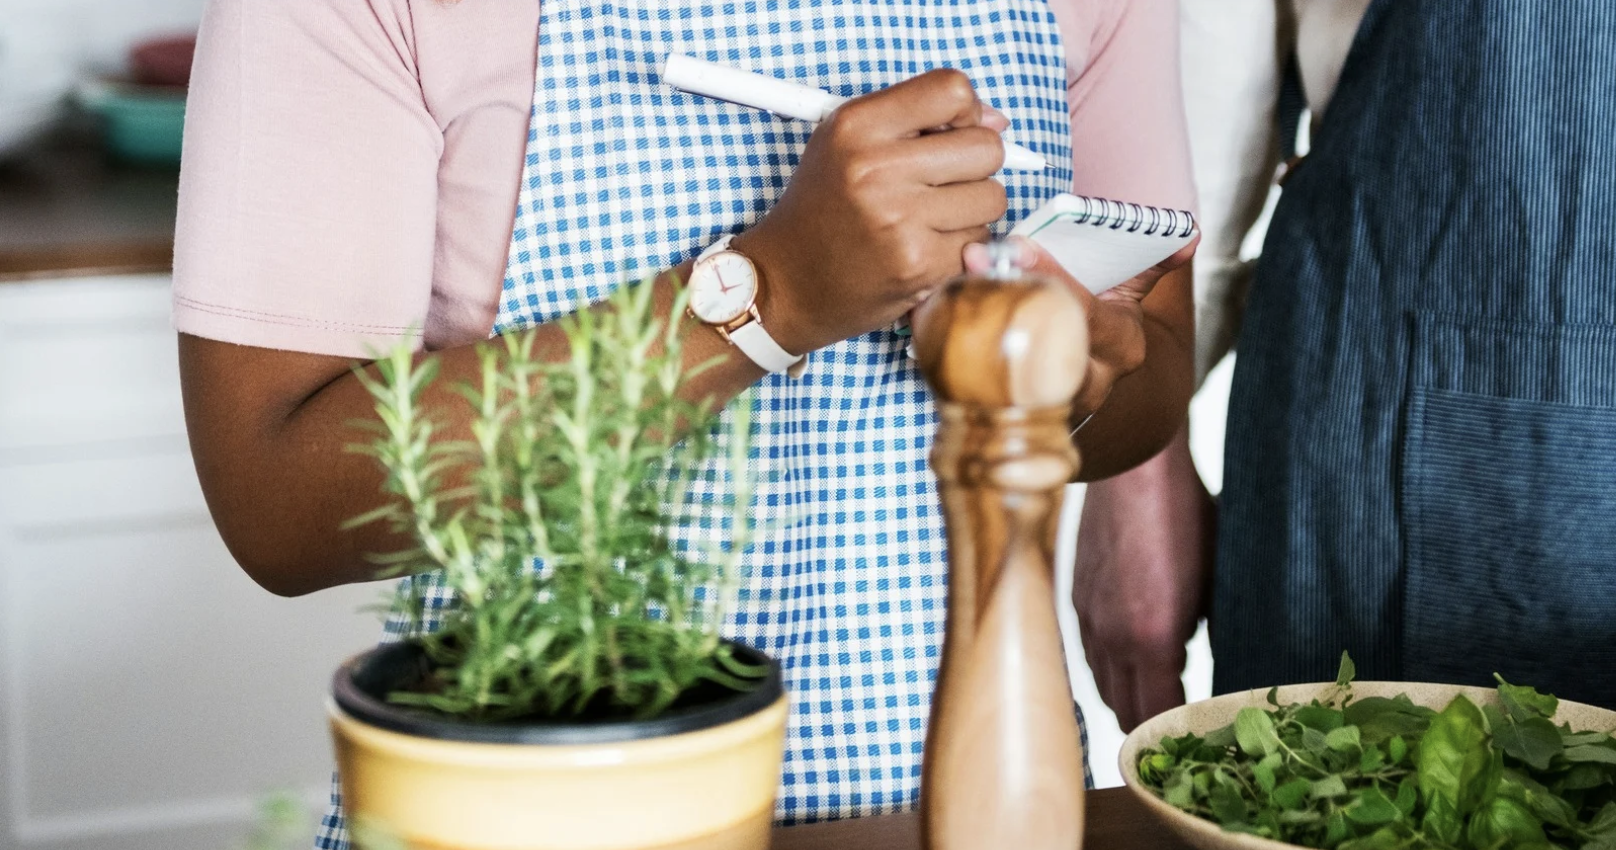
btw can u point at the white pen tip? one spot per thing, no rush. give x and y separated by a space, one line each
1018 158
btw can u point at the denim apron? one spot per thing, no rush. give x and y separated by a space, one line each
1421 465
847 578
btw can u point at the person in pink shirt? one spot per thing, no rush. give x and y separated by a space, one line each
359 173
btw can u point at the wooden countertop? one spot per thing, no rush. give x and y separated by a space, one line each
66 210
1115 821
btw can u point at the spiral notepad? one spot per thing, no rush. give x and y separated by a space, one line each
1102 242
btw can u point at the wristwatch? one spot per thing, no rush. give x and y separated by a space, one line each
723 294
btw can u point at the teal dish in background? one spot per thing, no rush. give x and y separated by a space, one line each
140 124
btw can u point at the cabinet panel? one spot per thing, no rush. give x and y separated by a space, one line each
150 693
96 491
147 679
87 361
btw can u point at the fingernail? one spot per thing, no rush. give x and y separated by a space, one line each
1026 254
994 119
976 256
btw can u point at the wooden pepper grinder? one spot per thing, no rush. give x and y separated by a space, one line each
1004 355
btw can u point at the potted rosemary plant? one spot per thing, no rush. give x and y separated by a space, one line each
577 693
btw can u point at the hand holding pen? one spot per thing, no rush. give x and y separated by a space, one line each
878 210
784 98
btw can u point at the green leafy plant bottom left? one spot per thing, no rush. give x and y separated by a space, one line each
551 522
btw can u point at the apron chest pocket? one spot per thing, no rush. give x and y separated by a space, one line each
1508 496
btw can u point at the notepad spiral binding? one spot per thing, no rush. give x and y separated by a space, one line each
1134 218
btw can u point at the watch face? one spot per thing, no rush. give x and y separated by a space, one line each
722 288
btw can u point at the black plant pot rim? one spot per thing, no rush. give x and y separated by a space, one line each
361 685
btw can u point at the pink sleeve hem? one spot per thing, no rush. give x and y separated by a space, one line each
292 333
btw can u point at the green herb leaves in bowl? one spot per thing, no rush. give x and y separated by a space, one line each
1381 765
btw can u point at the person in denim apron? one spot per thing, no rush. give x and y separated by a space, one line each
1421 462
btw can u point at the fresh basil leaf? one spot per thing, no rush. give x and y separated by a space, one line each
1347 671
1379 718
1227 805
1504 823
1396 749
1336 829
1604 822
1320 717
1292 794
1221 738
1497 718
1524 702
1381 839
1346 739
1156 767
1263 771
1551 809
1273 696
1313 741
1442 820
1254 730
1371 760
1328 788
1453 759
1407 795
1590 753
1603 842
1582 777
1295 818
1203 782
1371 808
1571 739
1264 776
1180 791
1533 740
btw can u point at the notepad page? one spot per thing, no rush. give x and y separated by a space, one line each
1103 243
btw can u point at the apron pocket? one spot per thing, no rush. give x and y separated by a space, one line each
1509 507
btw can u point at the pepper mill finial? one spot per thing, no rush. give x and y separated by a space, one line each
1005 356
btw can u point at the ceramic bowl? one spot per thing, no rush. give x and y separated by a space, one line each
1202 717
141 124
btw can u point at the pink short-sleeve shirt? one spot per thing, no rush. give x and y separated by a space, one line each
351 169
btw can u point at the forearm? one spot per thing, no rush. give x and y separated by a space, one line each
1147 407
1169 469
278 478
1140 579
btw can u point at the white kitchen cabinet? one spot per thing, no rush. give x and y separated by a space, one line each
150 693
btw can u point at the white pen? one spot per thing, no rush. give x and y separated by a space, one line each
782 97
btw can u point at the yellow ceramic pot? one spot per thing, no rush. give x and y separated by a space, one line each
693 779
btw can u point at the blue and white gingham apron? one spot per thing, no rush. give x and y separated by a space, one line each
1422 434
847 580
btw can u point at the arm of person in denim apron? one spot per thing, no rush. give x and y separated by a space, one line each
1145 543
269 426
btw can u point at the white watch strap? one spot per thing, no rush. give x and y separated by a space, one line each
720 245
753 340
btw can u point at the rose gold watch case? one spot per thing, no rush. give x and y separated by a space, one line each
742 317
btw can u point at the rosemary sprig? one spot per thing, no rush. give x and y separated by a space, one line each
551 524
